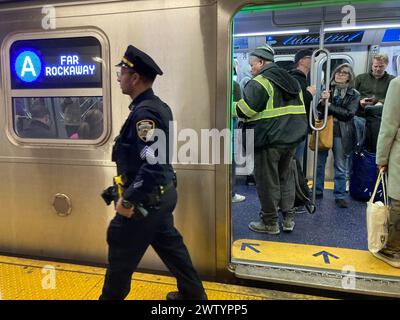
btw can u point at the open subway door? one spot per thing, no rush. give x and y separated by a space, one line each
327 249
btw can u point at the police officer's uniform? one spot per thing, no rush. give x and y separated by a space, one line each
150 187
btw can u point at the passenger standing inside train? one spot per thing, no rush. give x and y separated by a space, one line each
246 77
72 115
273 105
237 95
39 125
302 61
343 104
144 212
372 86
91 126
388 159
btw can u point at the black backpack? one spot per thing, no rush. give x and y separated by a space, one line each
303 194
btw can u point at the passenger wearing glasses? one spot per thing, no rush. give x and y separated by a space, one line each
343 104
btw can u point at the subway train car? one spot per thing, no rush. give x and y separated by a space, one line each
61 55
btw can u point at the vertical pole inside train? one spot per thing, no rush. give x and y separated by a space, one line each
315 80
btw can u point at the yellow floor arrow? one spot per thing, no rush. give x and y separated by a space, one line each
311 256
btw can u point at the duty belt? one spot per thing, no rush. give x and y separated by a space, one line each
167 187
153 199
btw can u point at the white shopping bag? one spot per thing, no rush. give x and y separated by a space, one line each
378 218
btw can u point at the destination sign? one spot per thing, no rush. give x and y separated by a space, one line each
56 63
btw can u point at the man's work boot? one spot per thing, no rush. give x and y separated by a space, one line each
288 224
260 226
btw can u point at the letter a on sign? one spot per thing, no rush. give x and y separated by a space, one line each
28 67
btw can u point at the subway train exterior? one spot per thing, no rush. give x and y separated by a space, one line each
63 53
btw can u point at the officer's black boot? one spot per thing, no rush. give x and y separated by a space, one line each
176 295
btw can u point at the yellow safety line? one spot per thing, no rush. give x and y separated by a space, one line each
320 257
45 280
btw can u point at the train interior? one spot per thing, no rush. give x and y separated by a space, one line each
66 114
332 240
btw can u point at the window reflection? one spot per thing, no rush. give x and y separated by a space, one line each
58 117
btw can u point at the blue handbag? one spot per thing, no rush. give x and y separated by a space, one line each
363 177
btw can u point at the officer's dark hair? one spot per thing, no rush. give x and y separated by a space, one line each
147 77
38 109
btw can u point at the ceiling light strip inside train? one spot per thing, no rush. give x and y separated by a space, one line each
268 33
377 26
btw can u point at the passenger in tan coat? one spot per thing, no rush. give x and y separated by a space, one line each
388 159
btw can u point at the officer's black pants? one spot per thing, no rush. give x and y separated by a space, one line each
274 181
128 240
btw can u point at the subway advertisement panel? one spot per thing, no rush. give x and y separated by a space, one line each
56 63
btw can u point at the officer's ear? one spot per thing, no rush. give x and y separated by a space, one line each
135 77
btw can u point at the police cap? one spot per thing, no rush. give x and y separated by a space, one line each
265 52
141 62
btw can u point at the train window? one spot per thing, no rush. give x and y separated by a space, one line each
56 87
58 117
337 61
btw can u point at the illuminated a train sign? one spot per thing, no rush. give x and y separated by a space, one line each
61 63
28 67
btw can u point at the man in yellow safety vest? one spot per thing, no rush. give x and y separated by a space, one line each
273 106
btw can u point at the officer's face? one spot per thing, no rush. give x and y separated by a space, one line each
126 80
256 65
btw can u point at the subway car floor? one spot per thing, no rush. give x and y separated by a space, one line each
328 226
27 279
332 238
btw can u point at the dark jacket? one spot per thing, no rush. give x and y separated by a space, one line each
368 87
284 131
37 129
237 95
307 96
344 112
133 153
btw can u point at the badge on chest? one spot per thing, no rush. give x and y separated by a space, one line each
144 129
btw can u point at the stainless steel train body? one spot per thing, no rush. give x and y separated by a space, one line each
192 42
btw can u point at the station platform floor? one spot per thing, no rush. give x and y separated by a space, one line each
27 279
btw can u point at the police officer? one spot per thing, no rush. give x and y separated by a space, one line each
144 212
273 106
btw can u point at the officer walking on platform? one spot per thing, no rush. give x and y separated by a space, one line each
146 191
273 106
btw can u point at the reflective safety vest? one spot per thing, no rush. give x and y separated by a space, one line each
270 111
